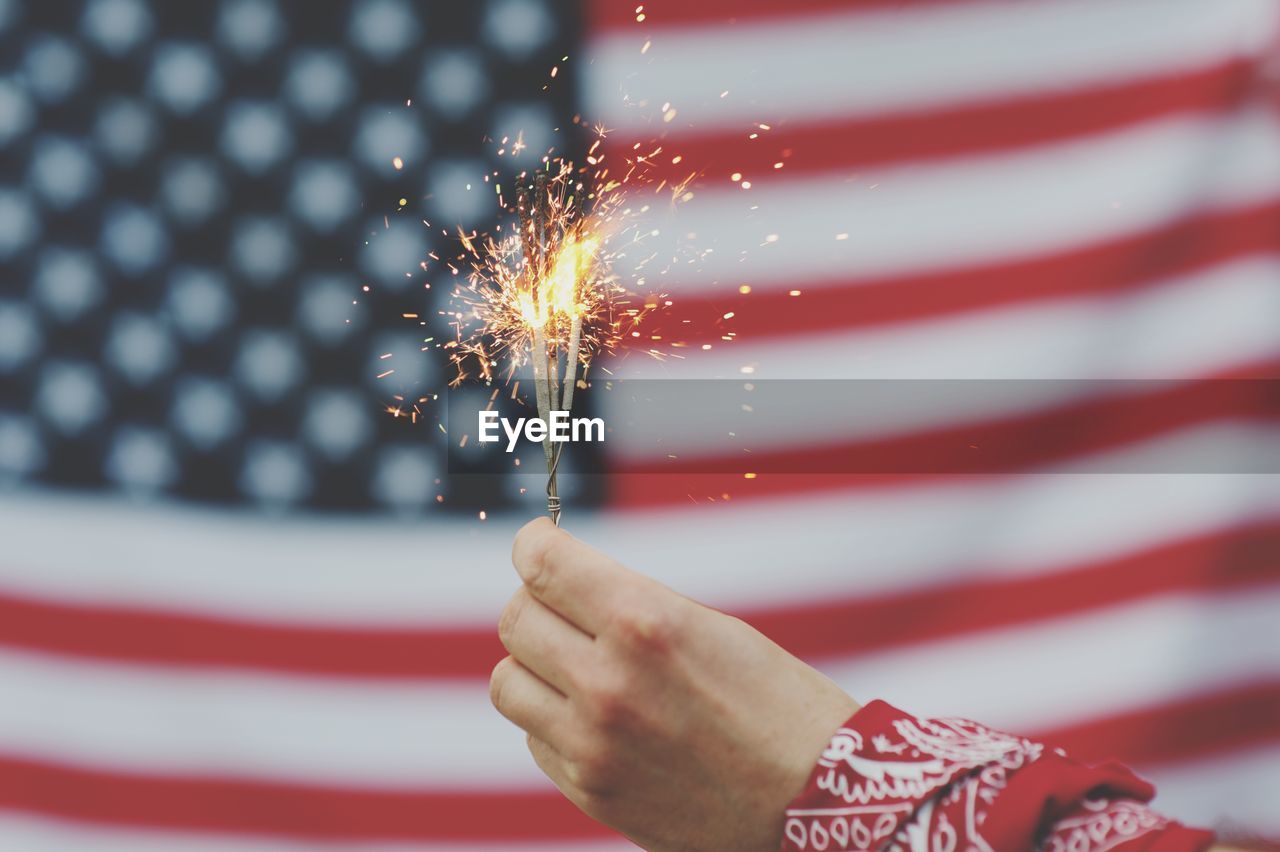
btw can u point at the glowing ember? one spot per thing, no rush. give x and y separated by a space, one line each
551 278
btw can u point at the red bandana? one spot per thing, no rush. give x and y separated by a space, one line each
889 780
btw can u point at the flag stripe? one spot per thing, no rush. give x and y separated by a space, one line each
854 64
189 639
1014 444
30 832
857 542
255 807
1028 203
1229 305
278 729
1240 557
1233 793
1114 268
1222 559
1242 718
1142 653
835 146
606 15
220 804
1231 790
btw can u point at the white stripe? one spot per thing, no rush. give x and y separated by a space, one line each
1226 447
1087 341
440 573
435 736
1199 323
938 216
1235 795
1231 446
25 833
1067 670
859 64
313 731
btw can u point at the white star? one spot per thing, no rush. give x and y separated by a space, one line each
274 473
141 460
116 26
198 302
67 284
319 83
404 477
139 348
70 397
336 423
206 412
184 77
255 135
393 251
383 29
268 364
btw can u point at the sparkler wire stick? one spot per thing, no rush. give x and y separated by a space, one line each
553 460
566 405
571 364
540 384
535 214
542 220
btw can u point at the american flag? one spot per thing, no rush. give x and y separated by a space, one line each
242 607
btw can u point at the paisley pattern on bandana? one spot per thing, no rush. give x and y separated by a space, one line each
891 781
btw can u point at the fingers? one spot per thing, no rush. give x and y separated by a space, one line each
565 774
527 701
573 579
551 762
542 641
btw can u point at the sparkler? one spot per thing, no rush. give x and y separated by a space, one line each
555 290
546 291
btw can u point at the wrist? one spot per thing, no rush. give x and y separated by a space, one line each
808 740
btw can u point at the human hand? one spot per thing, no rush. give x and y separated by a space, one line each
677 725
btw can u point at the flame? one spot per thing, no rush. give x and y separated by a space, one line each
564 285
571 267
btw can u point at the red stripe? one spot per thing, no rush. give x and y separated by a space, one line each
1192 728
621 14
167 638
1201 726
848 144
239 805
1122 265
1016 444
1245 556
1022 444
